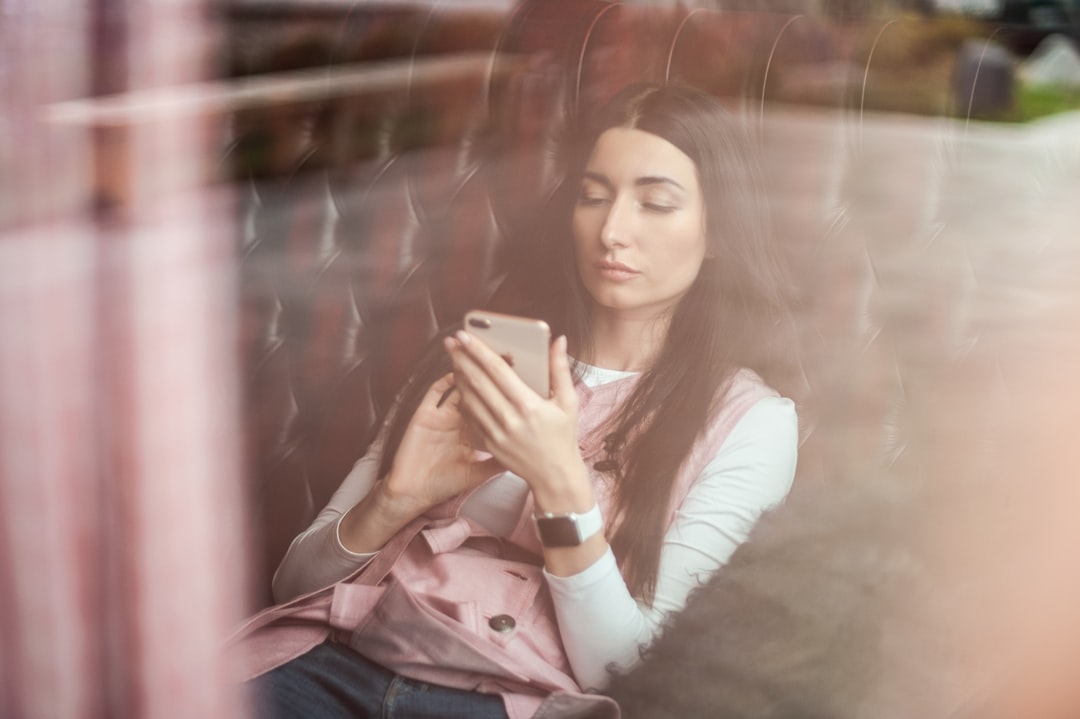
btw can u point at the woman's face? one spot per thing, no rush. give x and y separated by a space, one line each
639 224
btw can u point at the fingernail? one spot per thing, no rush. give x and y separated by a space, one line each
448 343
462 336
562 343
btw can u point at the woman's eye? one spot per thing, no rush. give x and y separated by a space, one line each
658 207
591 200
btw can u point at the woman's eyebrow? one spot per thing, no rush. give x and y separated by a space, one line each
639 182
657 180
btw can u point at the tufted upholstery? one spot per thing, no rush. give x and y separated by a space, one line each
379 208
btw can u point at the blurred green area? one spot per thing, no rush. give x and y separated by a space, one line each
1035 101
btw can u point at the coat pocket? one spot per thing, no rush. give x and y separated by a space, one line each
413 635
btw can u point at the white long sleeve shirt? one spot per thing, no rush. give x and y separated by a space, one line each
602 626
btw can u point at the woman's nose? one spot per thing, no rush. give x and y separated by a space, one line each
617 225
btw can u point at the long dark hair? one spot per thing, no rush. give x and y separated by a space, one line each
726 321
723 323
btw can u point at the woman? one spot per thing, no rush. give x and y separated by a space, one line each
648 464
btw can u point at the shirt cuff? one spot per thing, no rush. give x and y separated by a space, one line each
577 585
360 557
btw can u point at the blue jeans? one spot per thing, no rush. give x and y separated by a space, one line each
334 682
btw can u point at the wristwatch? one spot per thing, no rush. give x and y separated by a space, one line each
569 529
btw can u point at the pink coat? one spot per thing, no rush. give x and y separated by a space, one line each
434 603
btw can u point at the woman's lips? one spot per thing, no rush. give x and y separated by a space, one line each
616 271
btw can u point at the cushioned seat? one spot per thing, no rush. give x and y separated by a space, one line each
375 213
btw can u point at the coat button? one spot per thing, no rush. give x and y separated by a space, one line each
502 623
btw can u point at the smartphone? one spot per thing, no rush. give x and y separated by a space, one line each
522 341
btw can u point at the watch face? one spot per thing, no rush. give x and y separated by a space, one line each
558 531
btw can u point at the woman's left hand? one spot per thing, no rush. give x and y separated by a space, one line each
532 436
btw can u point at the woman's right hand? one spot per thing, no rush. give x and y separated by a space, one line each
434 461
